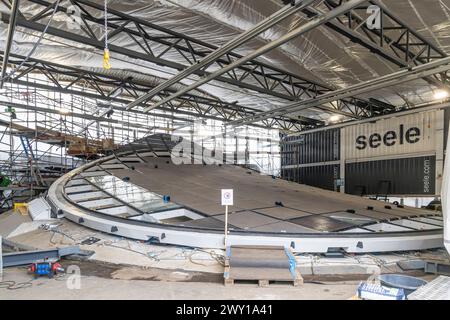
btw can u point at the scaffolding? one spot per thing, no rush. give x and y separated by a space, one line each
45 134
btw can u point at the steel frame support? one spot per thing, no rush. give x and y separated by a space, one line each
416 109
9 39
310 25
425 70
253 75
186 48
203 64
395 41
53 111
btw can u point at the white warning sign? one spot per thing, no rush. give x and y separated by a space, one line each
227 197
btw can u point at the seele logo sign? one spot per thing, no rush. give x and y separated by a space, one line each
402 136
397 136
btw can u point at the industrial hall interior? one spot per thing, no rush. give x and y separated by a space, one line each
227 150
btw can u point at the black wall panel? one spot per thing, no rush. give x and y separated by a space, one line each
316 147
318 176
414 176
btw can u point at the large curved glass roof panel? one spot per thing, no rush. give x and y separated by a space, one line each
134 196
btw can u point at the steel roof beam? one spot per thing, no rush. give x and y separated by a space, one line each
395 41
9 39
310 25
267 23
425 70
203 105
264 78
277 79
284 125
416 109
288 85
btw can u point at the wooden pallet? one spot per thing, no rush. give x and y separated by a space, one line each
263 277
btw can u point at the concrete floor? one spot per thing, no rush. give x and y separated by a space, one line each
126 269
95 288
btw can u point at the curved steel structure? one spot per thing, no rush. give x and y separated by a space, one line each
127 194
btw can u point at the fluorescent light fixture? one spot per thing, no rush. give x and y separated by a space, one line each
334 118
440 94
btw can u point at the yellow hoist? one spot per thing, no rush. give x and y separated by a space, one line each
106 55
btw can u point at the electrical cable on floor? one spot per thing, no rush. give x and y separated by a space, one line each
54 229
110 244
12 285
192 261
220 259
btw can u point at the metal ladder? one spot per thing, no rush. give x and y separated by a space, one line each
35 172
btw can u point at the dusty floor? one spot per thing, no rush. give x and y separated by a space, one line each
100 280
101 288
126 269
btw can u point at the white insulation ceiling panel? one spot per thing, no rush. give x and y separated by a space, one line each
321 55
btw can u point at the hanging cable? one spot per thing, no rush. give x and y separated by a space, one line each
106 55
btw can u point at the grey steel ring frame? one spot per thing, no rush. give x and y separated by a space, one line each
358 242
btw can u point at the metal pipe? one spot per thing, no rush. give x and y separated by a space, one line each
316 22
54 111
371 85
267 23
9 39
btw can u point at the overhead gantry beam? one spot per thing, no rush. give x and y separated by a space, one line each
204 63
72 80
403 76
147 38
394 40
310 25
291 86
